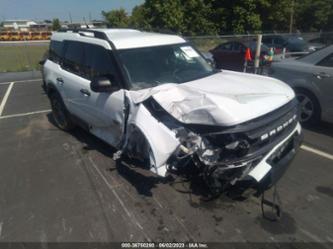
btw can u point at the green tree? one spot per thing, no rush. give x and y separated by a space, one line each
56 24
116 18
203 17
197 18
138 19
165 14
236 16
314 15
191 17
275 15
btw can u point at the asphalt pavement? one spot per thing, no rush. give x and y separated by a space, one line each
65 187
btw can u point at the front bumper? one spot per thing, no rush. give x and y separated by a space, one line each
273 166
281 163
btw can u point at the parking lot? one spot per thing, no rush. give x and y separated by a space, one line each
61 187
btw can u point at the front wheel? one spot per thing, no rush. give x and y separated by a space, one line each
309 107
59 112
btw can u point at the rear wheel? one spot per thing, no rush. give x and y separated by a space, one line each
59 112
309 107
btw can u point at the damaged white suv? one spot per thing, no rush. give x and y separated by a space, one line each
155 98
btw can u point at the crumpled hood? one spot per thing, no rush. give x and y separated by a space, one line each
226 98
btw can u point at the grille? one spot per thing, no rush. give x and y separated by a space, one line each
261 134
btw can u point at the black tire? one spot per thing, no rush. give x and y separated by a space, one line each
60 114
309 107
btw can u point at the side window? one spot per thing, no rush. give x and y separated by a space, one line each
267 40
326 62
73 58
55 52
98 62
279 41
226 46
238 47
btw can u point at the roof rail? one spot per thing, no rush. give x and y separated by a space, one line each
97 34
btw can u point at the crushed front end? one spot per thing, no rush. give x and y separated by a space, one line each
254 154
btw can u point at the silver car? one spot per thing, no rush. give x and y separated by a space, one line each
311 76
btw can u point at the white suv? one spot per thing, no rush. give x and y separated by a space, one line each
155 98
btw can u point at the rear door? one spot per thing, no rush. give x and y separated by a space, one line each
72 80
323 78
51 60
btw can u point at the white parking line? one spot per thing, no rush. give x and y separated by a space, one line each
5 98
317 152
24 114
19 81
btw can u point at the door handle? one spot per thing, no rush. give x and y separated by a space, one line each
322 75
85 92
60 81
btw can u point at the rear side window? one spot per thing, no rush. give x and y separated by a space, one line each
279 41
74 56
55 52
238 47
225 46
267 39
98 62
327 61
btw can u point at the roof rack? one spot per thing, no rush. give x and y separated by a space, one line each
97 34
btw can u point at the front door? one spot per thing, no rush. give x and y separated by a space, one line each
102 112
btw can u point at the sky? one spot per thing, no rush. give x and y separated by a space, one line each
40 10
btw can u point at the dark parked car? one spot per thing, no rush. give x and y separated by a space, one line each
291 43
231 55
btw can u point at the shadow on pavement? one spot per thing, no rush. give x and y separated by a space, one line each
185 181
323 128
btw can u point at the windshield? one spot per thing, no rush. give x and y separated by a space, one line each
152 66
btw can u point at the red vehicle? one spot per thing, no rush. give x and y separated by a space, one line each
231 55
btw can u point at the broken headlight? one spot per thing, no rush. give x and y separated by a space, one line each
212 150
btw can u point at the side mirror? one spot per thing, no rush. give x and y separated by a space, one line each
211 62
101 84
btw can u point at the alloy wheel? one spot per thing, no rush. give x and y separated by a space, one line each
306 107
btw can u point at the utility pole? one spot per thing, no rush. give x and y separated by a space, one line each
291 20
257 56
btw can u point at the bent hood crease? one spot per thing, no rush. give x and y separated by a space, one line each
225 98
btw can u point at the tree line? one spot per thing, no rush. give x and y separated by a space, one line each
210 17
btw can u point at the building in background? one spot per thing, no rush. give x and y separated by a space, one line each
83 25
19 25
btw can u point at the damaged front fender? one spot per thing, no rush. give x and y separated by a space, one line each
162 142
